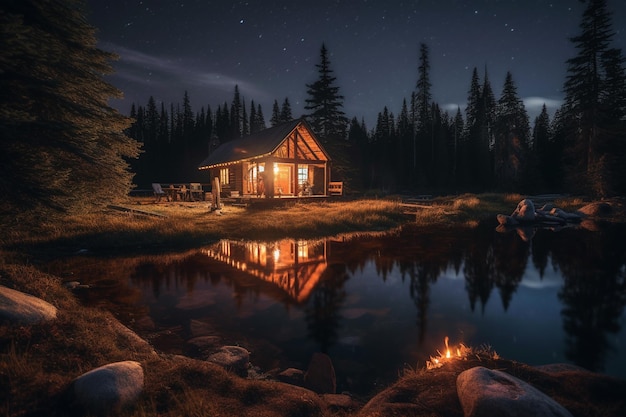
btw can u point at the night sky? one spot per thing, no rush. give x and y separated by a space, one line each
270 49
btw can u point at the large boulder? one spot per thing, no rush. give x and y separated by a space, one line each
487 392
320 376
20 308
108 389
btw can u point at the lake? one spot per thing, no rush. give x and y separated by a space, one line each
380 304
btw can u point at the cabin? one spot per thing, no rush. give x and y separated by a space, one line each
286 160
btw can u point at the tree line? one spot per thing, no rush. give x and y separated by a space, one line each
61 141
489 145
175 139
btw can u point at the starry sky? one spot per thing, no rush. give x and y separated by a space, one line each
269 48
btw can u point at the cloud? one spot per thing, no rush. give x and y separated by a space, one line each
533 104
144 69
451 108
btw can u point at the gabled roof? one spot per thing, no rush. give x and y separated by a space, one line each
252 146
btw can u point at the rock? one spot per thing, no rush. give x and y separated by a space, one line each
108 389
557 212
598 209
292 376
20 308
525 211
320 376
485 392
232 358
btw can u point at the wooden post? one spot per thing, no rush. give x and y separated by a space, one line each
216 203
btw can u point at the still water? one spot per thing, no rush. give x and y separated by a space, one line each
378 305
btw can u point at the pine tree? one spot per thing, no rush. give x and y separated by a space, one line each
61 141
359 140
253 118
260 119
275 120
512 137
149 159
594 89
470 149
456 146
485 140
542 150
245 128
187 117
235 115
422 121
404 150
327 117
285 111
222 123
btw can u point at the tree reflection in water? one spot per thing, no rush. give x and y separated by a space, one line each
593 294
323 283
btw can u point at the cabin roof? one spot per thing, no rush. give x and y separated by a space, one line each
252 146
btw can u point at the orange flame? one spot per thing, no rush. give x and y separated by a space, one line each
436 362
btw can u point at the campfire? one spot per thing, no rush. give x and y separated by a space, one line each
437 361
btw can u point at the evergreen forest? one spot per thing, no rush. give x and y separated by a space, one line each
490 145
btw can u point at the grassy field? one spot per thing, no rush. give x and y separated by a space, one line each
38 362
172 225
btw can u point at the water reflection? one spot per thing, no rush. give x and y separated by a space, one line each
377 303
294 266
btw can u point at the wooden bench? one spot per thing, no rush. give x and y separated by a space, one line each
335 188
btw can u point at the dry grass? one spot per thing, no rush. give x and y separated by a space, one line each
187 225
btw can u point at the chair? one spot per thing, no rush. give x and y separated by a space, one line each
195 190
158 192
183 192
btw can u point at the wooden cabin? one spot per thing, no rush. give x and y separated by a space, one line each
283 161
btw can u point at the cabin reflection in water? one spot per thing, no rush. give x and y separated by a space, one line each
295 266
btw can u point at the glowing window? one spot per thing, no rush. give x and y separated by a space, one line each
224 177
303 174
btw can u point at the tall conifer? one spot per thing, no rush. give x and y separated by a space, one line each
512 137
594 88
62 144
325 103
